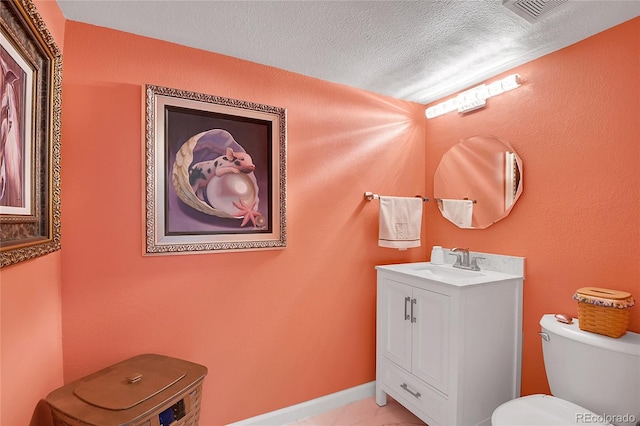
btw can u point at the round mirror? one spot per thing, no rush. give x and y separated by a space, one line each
478 181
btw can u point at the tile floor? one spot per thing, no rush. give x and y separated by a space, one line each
363 413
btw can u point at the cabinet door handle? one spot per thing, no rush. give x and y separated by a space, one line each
406 315
413 302
406 387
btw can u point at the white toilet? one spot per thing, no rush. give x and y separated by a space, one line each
595 380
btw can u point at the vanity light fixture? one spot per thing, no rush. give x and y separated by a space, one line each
474 98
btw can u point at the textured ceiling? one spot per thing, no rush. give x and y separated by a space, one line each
419 51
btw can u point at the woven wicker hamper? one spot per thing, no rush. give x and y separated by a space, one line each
604 311
146 390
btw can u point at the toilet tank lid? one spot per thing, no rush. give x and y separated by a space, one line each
627 344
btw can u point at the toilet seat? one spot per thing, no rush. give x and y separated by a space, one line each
539 410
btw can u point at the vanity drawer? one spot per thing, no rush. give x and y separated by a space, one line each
404 387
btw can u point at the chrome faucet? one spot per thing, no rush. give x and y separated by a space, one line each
463 261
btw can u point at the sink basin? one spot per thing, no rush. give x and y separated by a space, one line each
446 271
447 274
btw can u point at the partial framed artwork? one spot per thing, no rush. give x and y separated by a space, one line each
30 120
215 176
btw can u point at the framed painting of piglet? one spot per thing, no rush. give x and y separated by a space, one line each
215 173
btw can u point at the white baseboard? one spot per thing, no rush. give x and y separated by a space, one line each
312 407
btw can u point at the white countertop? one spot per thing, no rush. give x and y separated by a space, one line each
448 274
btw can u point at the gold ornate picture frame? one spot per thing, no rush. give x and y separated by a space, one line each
215 173
30 120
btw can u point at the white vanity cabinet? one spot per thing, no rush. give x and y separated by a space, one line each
448 346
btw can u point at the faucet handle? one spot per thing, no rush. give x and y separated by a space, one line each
474 263
458 257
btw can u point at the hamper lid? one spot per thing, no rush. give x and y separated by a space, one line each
128 384
604 297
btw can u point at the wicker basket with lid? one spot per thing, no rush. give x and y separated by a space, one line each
146 390
604 311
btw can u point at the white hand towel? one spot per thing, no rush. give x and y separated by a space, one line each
459 212
400 222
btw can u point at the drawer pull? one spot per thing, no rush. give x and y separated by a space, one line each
406 387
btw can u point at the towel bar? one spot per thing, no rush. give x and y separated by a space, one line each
440 199
371 196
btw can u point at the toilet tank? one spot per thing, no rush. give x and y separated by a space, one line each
599 373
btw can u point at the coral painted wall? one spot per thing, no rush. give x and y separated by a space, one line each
574 122
280 327
30 312
275 328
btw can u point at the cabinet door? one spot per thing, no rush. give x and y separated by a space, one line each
430 357
395 332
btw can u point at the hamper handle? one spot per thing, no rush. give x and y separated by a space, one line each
134 378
